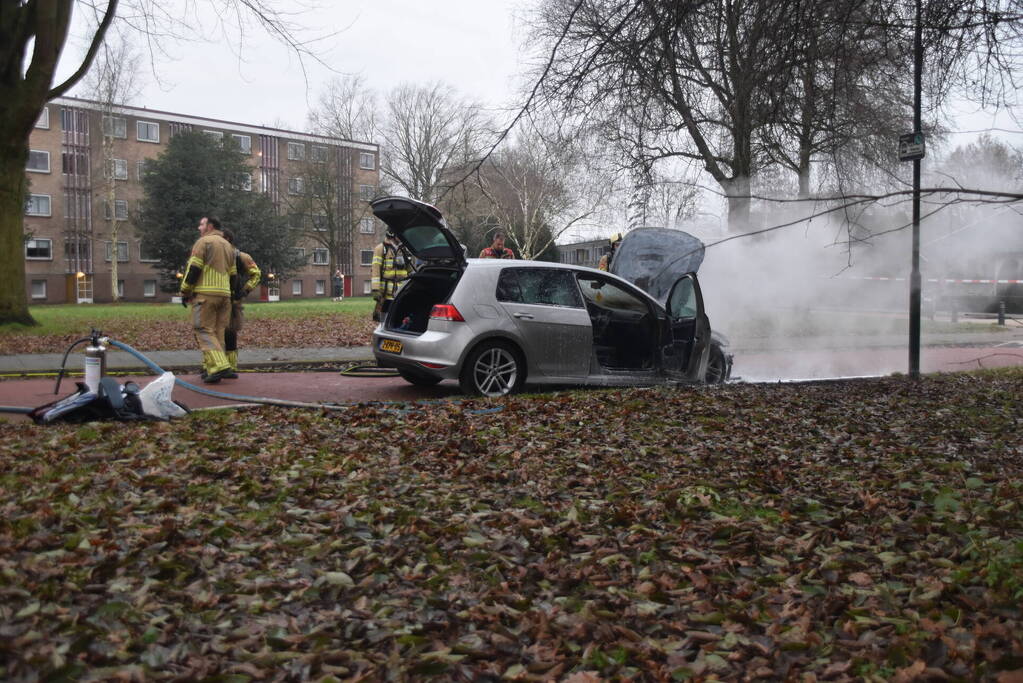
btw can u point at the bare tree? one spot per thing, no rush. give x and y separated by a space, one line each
347 109
850 95
689 79
740 85
328 211
113 82
33 35
426 130
542 185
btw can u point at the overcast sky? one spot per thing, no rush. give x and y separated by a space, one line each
471 44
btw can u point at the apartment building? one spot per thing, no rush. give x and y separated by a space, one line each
583 253
69 250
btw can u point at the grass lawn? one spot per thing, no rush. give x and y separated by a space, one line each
66 319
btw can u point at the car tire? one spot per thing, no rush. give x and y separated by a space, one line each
717 366
418 380
494 368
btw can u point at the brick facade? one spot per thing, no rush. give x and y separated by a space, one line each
67 231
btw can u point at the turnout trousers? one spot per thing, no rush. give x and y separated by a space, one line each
210 318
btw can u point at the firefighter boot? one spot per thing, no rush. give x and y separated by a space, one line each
217 367
232 373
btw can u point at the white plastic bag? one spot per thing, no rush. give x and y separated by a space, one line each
156 398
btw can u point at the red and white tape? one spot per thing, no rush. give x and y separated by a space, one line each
946 281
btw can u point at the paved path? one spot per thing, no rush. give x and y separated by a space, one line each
188 360
755 360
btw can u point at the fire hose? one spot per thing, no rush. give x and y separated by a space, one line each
220 394
95 368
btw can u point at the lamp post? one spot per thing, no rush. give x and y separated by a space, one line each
914 276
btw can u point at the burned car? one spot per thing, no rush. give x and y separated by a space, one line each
498 324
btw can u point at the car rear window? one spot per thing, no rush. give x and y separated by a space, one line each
540 286
426 241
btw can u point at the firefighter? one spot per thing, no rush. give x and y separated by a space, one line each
207 286
605 260
390 269
246 279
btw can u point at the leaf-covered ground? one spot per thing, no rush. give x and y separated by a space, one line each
318 331
867 530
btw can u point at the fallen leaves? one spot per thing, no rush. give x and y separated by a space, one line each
868 530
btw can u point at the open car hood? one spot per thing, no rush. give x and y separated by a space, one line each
421 228
654 258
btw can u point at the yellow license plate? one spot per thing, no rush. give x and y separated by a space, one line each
390 345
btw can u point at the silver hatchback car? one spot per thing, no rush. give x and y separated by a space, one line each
498 324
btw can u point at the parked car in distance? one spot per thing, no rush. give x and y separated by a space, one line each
496 325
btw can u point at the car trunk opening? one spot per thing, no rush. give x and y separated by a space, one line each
410 310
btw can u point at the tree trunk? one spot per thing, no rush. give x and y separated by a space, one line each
13 158
738 191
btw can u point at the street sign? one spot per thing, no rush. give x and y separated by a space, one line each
912 147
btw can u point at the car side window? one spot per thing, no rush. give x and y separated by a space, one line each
540 286
683 300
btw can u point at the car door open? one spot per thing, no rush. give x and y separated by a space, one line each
685 355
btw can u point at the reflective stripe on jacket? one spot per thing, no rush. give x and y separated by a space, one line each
210 267
248 276
390 269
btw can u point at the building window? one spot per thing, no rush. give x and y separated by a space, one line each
319 222
41 249
149 288
120 210
320 257
118 169
245 181
147 254
74 120
44 118
215 134
296 151
366 257
77 205
244 143
38 161
367 287
366 192
38 205
122 251
366 226
321 287
296 288
295 186
74 163
77 250
316 187
140 168
147 132
318 153
367 160
299 253
38 289
120 289
115 126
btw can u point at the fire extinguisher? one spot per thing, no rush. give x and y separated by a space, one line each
95 362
